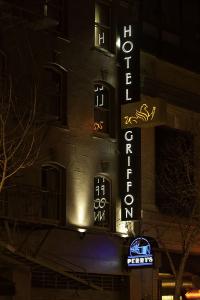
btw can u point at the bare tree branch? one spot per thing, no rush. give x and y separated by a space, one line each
20 133
178 196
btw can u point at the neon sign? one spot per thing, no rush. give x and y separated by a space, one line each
140 253
129 92
142 114
101 201
98 126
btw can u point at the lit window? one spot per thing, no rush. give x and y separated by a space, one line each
169 297
102 200
53 183
103 26
103 106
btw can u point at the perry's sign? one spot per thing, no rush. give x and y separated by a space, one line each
140 253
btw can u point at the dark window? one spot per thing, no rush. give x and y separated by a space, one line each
3 65
103 109
103 32
175 187
171 15
54 93
56 10
54 191
102 201
3 60
150 11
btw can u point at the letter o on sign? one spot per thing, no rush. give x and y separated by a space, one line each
127 47
128 199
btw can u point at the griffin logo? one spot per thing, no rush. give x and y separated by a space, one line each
98 126
142 114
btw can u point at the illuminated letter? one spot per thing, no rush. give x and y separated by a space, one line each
127 58
128 149
101 38
127 96
128 172
128 185
99 203
127 47
128 139
129 260
99 216
129 212
128 161
128 76
130 201
127 31
99 96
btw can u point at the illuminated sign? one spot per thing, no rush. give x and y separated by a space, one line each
98 126
130 174
99 95
129 92
101 109
129 64
140 253
148 112
101 201
142 114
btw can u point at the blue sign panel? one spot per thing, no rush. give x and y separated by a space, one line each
140 253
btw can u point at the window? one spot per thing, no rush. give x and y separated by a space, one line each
150 11
103 26
102 201
171 15
54 91
3 65
175 187
53 183
3 60
57 11
103 109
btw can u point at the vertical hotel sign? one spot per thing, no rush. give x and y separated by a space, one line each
129 91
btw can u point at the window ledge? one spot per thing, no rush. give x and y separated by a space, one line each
103 136
104 51
62 38
59 126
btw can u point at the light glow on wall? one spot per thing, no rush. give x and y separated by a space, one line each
118 43
80 206
81 230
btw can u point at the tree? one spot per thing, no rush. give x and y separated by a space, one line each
20 137
177 193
